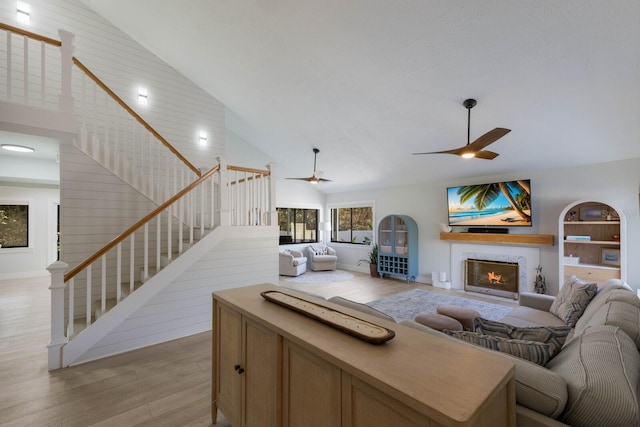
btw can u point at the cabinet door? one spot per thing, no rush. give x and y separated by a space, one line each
311 389
228 387
365 406
261 363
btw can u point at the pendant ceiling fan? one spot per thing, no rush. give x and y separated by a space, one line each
317 175
475 148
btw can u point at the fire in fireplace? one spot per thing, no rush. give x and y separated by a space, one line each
492 277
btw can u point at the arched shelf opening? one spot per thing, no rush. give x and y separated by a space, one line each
592 242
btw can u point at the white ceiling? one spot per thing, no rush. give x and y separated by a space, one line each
370 82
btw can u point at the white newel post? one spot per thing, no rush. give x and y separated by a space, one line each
225 217
58 339
273 213
65 99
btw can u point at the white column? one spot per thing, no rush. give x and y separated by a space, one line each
272 213
65 99
225 218
58 339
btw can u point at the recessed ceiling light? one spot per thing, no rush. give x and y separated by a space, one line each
18 148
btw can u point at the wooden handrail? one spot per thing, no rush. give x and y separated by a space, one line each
71 273
243 169
31 35
135 115
260 174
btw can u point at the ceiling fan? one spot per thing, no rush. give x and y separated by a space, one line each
317 175
475 148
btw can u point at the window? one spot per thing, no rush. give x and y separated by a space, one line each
14 226
352 225
298 225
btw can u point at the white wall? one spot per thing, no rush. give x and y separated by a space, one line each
616 183
32 261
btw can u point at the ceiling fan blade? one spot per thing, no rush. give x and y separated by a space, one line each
441 152
325 180
303 179
486 154
488 138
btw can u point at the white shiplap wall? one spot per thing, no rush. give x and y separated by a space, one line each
183 308
97 207
177 108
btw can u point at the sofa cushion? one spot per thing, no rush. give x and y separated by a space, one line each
603 294
623 295
620 314
527 316
537 352
572 300
554 335
602 369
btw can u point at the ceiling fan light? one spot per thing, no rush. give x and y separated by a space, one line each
468 155
313 180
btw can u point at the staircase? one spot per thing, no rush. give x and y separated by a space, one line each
198 214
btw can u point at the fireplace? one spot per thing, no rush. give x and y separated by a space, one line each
527 258
497 278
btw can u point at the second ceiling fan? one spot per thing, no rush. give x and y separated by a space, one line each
317 175
475 148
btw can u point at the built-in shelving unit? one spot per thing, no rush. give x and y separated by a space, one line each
498 238
593 242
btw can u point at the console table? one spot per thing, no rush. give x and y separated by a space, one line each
275 367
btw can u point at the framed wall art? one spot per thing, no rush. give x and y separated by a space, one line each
610 256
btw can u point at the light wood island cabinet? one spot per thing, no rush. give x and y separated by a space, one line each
275 367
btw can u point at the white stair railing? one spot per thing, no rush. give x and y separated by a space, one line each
107 277
36 70
250 195
118 138
104 279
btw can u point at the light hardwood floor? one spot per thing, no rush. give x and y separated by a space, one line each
162 385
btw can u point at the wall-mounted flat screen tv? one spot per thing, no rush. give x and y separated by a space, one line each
497 204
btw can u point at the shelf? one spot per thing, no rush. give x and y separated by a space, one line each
599 266
513 239
592 222
595 242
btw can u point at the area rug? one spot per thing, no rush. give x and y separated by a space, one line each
330 276
409 304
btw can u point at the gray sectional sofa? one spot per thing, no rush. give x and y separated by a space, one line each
594 379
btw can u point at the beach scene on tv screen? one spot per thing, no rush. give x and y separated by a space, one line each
495 204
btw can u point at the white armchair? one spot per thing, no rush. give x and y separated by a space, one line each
322 258
292 263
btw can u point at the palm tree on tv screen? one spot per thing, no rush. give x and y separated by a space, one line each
485 194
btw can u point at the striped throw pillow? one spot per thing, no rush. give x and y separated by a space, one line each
536 352
554 335
572 300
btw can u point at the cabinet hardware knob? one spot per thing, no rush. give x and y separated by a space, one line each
240 371
236 367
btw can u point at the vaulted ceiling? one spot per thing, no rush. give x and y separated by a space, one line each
370 82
